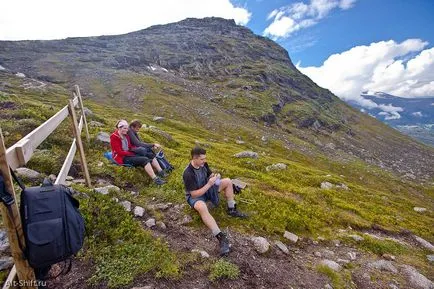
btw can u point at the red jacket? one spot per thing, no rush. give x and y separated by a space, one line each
116 144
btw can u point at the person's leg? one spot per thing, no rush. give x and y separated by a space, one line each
145 163
209 221
149 170
156 165
226 187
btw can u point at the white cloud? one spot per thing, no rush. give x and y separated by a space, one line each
299 15
53 19
417 113
390 115
378 67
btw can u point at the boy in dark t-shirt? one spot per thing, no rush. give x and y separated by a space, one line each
201 185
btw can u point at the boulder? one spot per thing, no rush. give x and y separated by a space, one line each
105 190
246 154
260 244
139 211
416 279
276 167
331 264
291 237
28 174
103 137
150 223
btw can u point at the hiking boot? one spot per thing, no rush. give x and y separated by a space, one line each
162 174
233 212
159 181
224 243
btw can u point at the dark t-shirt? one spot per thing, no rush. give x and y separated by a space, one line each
195 179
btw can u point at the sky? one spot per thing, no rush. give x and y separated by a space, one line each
346 46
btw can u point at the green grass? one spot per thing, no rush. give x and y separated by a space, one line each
223 269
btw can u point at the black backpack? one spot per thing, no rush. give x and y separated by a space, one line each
164 164
52 224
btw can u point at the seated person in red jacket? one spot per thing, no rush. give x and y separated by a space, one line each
123 154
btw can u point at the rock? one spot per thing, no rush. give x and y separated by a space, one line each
105 190
326 185
388 257
2 68
430 258
264 138
100 164
383 265
52 178
116 200
28 174
161 225
328 286
6 263
134 194
103 137
144 287
161 207
246 154
282 247
162 133
337 243
150 223
4 242
240 141
356 238
424 243
327 253
291 237
393 286
260 244
158 119
69 178
87 111
202 253
94 123
276 167
317 254
343 186
416 279
186 220
331 264
419 209
342 261
331 146
20 75
352 255
79 181
139 211
126 205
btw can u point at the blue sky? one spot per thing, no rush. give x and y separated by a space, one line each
346 46
365 22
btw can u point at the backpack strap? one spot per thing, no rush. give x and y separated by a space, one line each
19 182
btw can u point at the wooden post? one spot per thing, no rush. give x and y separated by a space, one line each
25 273
77 135
80 100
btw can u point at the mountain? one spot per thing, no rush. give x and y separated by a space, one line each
351 188
411 116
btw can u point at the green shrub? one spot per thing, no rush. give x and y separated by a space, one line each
224 269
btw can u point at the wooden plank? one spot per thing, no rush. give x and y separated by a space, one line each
12 221
61 177
31 141
77 135
80 100
9 283
80 124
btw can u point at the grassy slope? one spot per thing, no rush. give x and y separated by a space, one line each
285 200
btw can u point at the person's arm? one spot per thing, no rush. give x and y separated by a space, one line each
116 144
135 141
201 191
191 186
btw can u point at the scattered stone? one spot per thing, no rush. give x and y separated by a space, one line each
424 243
126 205
327 253
100 164
416 279
158 119
352 255
79 181
328 286
260 244
331 146
326 185
282 247
264 138
139 211
186 220
383 265
290 236
430 258
337 243
69 178
105 190
28 173
276 167
87 111
20 75
342 261
94 123
356 238
150 223
419 209
343 186
116 200
134 194
161 225
393 286
240 141
388 257
52 178
202 253
317 254
103 137
246 154
331 264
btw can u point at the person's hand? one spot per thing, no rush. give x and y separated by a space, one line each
212 179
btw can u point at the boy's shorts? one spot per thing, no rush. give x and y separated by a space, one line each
211 195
